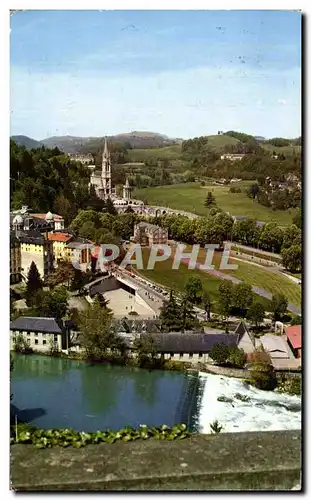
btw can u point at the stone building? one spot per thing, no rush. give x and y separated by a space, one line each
15 259
149 234
101 179
127 190
41 334
35 248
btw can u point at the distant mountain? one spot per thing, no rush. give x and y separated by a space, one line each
23 140
72 144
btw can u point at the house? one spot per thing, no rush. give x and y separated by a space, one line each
149 234
246 340
60 250
232 156
35 248
41 334
192 347
293 334
15 259
276 346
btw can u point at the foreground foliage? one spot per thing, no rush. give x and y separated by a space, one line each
22 433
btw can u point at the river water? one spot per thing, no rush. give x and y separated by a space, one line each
61 393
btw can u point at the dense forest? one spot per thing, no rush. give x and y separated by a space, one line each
45 179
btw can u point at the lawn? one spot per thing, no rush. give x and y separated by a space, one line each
170 152
177 279
251 274
190 197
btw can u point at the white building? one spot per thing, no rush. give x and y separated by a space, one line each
41 334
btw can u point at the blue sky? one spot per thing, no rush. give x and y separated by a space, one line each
181 73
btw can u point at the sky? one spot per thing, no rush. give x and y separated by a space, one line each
179 73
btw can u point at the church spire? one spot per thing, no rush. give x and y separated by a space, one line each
106 152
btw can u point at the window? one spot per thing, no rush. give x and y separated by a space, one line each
43 341
55 338
36 341
200 355
36 334
172 354
28 333
190 354
181 355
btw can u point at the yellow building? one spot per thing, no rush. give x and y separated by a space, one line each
68 248
36 249
60 249
15 259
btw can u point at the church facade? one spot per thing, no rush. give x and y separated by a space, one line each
101 179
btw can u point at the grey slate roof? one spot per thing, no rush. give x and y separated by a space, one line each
241 329
193 342
33 324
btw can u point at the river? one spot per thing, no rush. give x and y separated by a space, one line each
53 392
61 393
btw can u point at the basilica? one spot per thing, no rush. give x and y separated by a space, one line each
101 179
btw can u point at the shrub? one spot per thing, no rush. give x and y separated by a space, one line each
219 353
215 427
237 357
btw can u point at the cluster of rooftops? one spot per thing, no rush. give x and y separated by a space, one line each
168 342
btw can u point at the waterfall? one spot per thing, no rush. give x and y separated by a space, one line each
260 410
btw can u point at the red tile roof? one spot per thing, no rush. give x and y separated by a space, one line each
61 237
294 336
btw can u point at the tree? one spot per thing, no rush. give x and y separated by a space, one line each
207 304
219 353
253 191
110 208
189 320
34 283
209 200
256 314
53 304
297 219
171 320
263 376
279 305
193 289
98 338
271 237
78 280
146 350
291 258
64 273
237 357
225 298
292 236
296 320
242 297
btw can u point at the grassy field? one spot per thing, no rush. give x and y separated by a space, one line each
191 197
216 142
286 150
177 279
260 277
170 152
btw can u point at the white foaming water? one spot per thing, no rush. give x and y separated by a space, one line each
265 411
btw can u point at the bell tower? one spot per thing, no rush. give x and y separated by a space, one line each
106 172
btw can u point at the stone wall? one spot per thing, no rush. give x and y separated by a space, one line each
254 461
